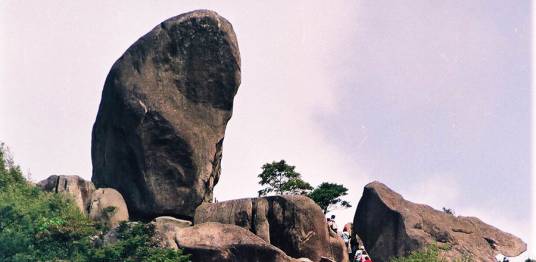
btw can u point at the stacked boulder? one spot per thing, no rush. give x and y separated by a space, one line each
160 127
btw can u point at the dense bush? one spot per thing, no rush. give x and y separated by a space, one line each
41 226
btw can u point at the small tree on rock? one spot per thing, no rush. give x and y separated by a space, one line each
448 211
280 178
328 196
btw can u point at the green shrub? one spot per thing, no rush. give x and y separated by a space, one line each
42 226
429 254
35 225
135 243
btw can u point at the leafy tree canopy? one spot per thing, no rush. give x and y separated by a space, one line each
280 178
328 196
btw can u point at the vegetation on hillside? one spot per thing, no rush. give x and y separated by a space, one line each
42 226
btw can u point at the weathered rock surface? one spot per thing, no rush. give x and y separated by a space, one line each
219 242
295 224
166 220
166 227
165 104
78 188
337 247
108 207
391 226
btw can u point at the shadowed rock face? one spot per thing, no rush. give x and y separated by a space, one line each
219 242
165 104
216 242
391 226
295 224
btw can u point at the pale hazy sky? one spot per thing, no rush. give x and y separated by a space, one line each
430 97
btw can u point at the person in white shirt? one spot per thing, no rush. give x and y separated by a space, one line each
501 258
358 255
346 238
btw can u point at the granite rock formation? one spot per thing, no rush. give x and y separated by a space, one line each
295 224
77 188
165 104
175 222
337 247
166 227
391 226
218 242
108 207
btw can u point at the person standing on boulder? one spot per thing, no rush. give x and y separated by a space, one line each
346 238
333 224
365 257
358 255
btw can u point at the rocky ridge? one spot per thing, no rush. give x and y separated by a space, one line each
391 226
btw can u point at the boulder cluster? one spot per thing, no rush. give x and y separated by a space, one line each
156 152
105 205
157 147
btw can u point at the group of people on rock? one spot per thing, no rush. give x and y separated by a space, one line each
356 250
501 258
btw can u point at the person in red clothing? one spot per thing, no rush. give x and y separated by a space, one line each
365 257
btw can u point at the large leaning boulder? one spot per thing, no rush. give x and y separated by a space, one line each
295 224
165 104
76 187
391 226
